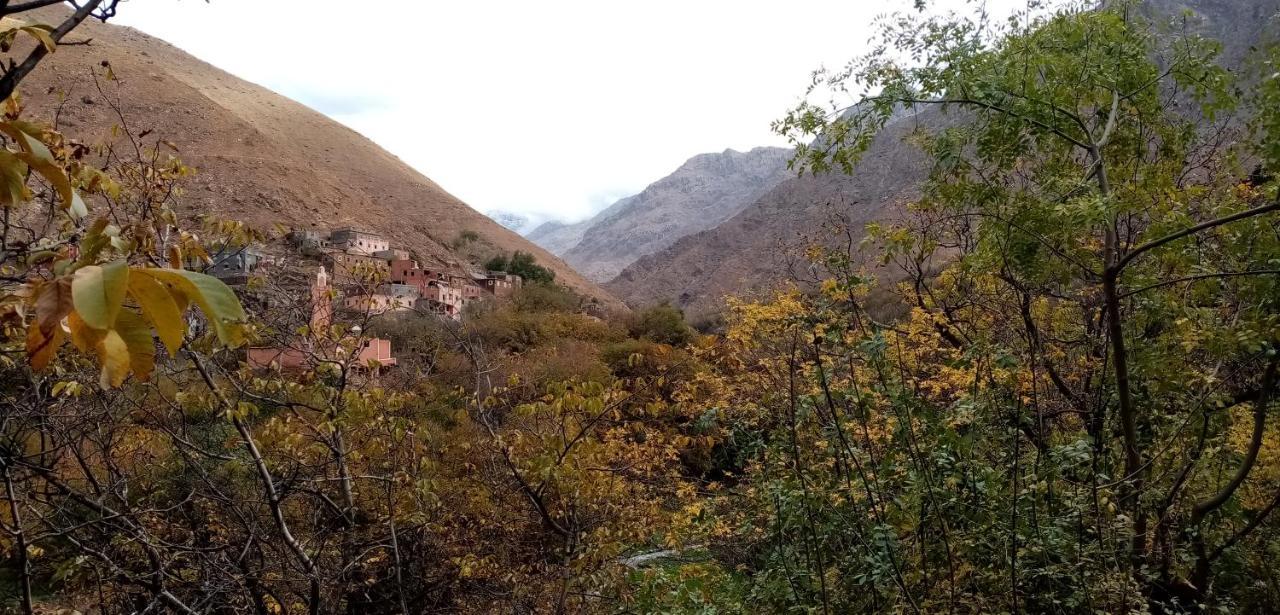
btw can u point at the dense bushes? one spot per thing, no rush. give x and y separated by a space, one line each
524 265
662 323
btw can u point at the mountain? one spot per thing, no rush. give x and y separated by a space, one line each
510 221
261 157
559 237
705 191
751 252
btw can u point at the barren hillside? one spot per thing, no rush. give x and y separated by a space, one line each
705 191
749 253
261 157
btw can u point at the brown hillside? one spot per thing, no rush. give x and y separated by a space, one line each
261 157
753 252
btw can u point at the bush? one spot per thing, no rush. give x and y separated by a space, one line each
546 298
522 264
663 323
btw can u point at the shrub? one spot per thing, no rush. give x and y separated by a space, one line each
522 264
664 324
545 298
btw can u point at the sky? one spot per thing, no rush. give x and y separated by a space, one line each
550 109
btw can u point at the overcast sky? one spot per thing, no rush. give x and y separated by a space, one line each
550 109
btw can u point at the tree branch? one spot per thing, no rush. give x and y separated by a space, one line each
11 79
1151 245
1203 276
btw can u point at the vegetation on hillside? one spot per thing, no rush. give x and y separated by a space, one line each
522 264
1074 414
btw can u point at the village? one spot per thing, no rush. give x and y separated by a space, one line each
361 274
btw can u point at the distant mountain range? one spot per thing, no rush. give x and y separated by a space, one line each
704 192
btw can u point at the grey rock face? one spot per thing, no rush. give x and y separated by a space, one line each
704 192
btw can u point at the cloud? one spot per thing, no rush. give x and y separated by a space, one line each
549 109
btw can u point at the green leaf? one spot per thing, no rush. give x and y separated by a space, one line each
98 292
77 209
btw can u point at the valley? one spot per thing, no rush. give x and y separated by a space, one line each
998 331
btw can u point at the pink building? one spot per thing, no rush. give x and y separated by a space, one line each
295 358
442 298
376 349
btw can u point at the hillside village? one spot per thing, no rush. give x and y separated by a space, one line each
998 332
359 273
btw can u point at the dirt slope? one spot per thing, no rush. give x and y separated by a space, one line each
262 158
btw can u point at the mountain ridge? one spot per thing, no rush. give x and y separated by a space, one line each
261 157
702 192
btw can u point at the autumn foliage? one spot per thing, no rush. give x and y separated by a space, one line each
1047 387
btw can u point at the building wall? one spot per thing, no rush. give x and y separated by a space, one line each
376 349
377 303
286 358
358 242
351 268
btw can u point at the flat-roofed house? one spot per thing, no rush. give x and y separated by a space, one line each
356 241
234 264
499 283
392 254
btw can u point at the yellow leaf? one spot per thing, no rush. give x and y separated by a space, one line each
83 336
41 33
13 180
219 303
38 156
137 338
113 352
42 346
98 292
160 308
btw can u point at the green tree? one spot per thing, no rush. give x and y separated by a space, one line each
1072 418
524 265
663 323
